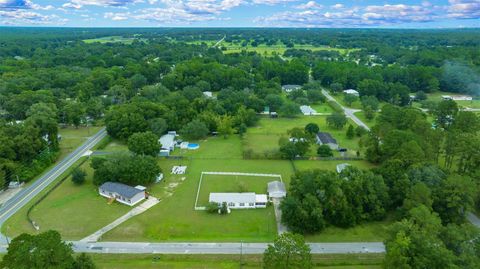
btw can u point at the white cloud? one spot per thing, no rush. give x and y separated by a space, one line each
271 2
309 5
77 4
25 16
464 9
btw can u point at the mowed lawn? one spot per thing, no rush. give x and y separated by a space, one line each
144 261
265 136
174 218
74 211
73 137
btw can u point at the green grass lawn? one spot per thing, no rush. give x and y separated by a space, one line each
227 183
437 96
322 108
115 146
74 211
174 218
147 261
330 165
265 136
73 137
367 232
361 116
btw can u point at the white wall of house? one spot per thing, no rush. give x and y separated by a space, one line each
130 202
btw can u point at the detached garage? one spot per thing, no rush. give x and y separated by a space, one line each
276 189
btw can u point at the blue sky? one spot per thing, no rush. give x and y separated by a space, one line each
242 13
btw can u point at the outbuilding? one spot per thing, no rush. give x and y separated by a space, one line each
291 88
276 189
122 193
352 92
327 139
167 143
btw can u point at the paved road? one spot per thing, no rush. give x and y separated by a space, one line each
28 193
349 112
218 248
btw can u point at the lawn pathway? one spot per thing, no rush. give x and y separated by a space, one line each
151 201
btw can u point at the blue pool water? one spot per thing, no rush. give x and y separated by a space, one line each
193 146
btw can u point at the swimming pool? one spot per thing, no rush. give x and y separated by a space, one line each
193 146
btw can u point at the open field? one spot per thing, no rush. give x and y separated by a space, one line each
267 50
113 39
437 96
69 210
265 136
369 123
73 137
147 261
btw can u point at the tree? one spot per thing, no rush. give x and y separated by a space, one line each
194 130
336 120
350 99
83 261
350 132
315 96
224 125
289 110
324 151
128 169
420 96
288 251
312 128
336 87
145 143
158 126
446 112
45 250
78 176
212 207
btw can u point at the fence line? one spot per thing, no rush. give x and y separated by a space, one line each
196 207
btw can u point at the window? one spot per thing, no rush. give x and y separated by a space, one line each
242 204
251 204
231 204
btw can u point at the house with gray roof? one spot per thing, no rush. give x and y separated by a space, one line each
326 139
122 193
236 200
290 88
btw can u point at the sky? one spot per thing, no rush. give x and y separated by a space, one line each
242 13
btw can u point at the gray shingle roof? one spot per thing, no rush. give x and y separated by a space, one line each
326 138
122 189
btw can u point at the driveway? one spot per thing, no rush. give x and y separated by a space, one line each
281 228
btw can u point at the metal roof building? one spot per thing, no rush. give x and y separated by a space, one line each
122 193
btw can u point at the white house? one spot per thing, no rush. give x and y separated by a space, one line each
308 110
237 200
341 167
168 143
327 139
122 193
457 97
290 88
276 189
208 94
352 92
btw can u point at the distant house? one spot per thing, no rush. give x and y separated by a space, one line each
208 94
276 189
307 110
237 200
122 193
326 139
273 115
341 167
290 88
168 143
352 92
457 97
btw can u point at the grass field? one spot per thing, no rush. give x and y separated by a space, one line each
265 136
69 210
437 96
73 137
148 261
113 39
361 116
267 50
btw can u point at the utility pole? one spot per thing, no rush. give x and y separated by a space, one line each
241 254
